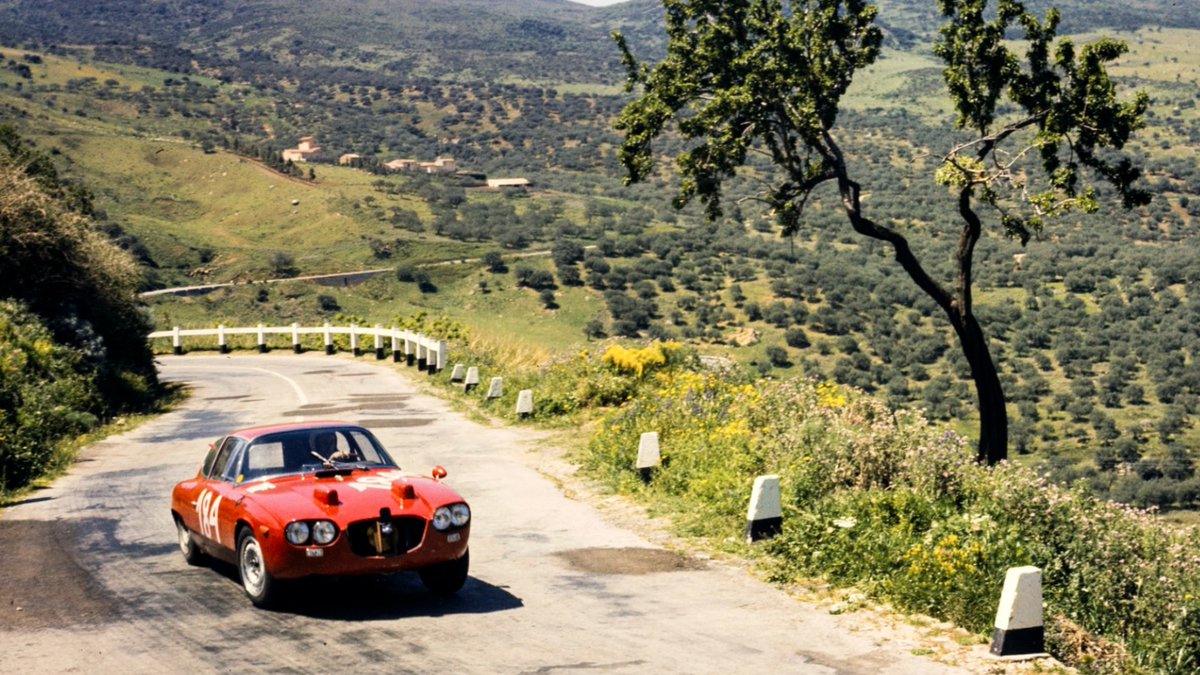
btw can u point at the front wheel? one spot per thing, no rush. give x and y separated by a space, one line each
448 577
256 579
187 546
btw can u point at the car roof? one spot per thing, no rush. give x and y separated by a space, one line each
251 433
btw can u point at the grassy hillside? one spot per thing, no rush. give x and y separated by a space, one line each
1094 326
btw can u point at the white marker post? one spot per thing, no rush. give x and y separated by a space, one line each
1019 632
764 519
296 338
496 388
525 403
396 354
422 355
648 456
328 340
262 339
440 357
354 340
222 343
177 341
378 342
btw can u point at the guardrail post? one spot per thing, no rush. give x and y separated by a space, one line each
177 342
296 338
378 342
354 340
410 351
262 340
471 380
443 356
328 340
525 403
1019 629
422 354
496 388
396 347
648 456
764 519
222 346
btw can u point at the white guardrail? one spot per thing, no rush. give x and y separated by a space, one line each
414 348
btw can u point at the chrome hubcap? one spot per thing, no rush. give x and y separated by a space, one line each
252 568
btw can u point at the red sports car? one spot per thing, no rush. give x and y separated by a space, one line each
319 498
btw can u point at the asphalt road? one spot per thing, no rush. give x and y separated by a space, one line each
97 583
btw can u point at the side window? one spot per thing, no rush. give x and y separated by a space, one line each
211 457
223 467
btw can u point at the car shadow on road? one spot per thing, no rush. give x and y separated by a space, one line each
381 598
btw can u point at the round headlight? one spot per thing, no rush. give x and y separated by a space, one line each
297 533
324 531
442 518
460 514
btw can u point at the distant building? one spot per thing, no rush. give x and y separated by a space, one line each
306 151
439 165
350 159
509 183
402 165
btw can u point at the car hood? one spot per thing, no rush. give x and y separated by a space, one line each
347 498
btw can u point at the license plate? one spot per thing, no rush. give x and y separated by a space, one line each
315 552
453 537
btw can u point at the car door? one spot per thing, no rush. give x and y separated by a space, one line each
218 497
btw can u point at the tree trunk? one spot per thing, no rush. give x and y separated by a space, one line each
993 414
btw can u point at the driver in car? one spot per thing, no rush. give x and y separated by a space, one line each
325 444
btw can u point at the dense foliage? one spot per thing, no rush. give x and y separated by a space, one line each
73 337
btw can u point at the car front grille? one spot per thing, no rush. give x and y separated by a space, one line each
371 538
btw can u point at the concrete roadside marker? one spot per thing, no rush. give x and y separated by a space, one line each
764 519
422 355
354 348
378 342
296 338
262 339
1019 632
459 372
471 380
222 343
396 354
496 388
410 352
328 340
525 403
176 342
648 456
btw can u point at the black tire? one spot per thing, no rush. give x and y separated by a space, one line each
448 577
187 545
252 569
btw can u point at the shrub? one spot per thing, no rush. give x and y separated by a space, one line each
43 396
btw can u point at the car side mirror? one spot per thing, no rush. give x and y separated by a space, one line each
439 472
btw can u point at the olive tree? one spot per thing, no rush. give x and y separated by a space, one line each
1036 131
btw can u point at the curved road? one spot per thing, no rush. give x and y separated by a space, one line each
555 587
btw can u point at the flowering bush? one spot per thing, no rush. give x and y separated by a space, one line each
638 361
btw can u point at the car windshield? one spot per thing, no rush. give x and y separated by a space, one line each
290 452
